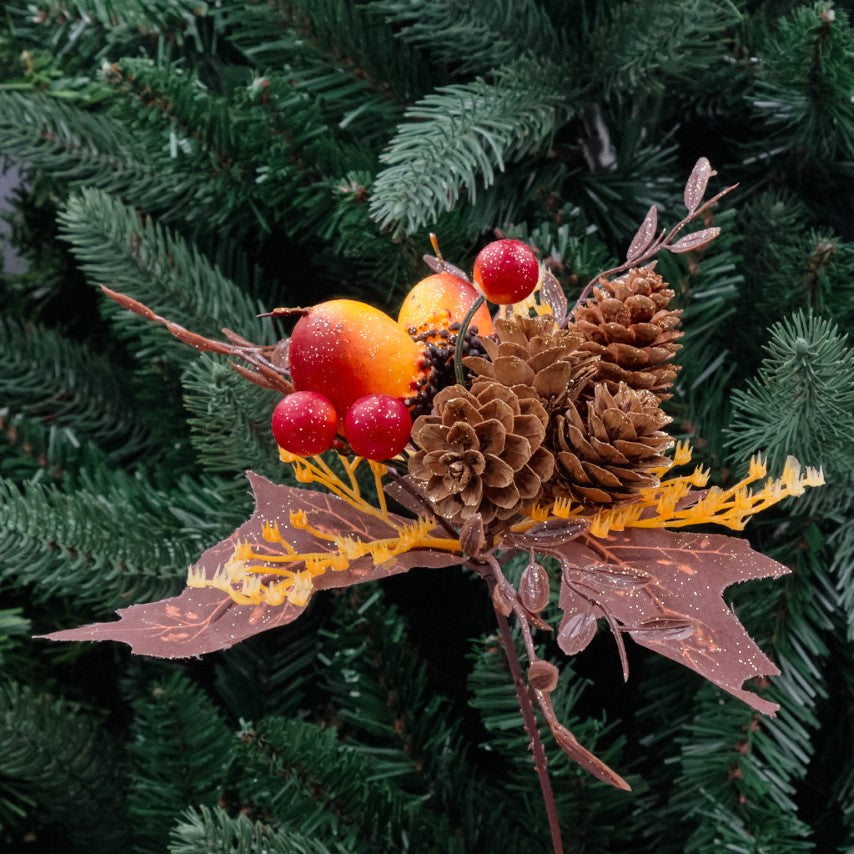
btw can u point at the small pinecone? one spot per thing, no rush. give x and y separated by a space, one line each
536 359
628 325
611 455
481 452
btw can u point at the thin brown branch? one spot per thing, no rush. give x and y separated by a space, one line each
529 717
275 378
663 241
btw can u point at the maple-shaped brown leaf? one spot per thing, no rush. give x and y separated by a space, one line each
665 589
206 619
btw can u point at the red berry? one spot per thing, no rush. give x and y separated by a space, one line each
506 271
377 426
305 423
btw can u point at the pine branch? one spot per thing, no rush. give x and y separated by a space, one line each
115 246
265 148
315 786
803 94
364 43
115 543
33 450
93 28
646 61
146 17
379 686
273 675
474 37
69 387
229 420
12 626
624 175
213 831
458 137
842 543
180 750
54 756
802 400
84 148
348 102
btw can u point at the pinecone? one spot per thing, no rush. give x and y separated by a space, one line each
481 452
628 325
613 453
536 359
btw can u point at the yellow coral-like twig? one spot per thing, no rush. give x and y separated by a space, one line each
252 577
668 504
659 506
317 470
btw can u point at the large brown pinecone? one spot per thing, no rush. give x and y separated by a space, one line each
480 451
610 455
536 359
628 325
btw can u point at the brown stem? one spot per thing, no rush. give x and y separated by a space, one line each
461 335
663 241
270 376
530 719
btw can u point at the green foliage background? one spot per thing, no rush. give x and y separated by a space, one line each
217 159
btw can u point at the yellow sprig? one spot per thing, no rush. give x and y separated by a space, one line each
253 576
658 506
668 503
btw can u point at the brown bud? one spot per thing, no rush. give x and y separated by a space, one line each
472 537
534 587
543 676
501 602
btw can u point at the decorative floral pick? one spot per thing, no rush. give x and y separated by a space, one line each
543 436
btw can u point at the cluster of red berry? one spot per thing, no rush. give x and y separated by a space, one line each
353 366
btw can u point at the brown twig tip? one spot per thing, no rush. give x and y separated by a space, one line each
131 304
285 312
434 242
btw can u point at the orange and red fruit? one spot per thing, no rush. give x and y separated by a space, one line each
440 300
345 349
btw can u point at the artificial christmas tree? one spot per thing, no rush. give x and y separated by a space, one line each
214 161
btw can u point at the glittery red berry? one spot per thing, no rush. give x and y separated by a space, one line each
305 423
506 271
377 426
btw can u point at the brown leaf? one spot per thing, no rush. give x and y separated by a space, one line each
587 760
676 606
696 240
553 532
206 619
443 266
195 622
553 296
644 236
698 180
